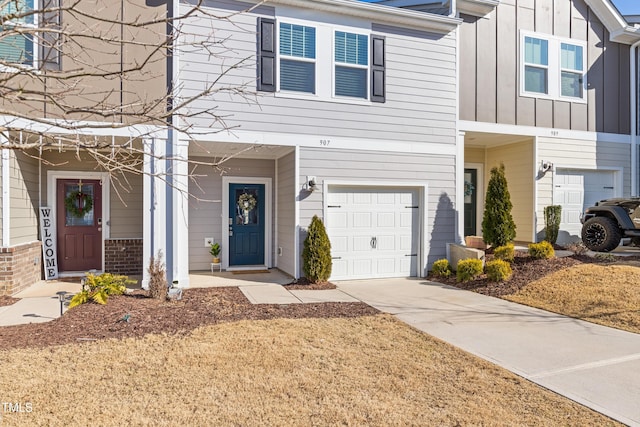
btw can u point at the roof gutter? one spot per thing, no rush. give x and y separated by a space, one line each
374 12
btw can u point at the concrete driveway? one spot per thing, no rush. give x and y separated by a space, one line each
596 366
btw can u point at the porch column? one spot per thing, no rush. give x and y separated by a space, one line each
180 210
459 227
154 203
6 188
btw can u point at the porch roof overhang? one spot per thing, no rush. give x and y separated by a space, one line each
240 150
491 140
71 127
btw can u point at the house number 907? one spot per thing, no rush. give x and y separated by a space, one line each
325 142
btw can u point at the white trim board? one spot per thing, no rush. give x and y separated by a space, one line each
470 126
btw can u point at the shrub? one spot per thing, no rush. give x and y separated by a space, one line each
605 257
158 286
498 270
578 248
498 227
316 255
505 253
441 268
98 288
552 217
542 250
468 269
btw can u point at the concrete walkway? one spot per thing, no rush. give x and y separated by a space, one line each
596 366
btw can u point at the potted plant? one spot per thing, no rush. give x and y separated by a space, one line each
215 252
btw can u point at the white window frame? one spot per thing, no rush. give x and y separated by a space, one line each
335 64
295 58
325 62
554 69
35 40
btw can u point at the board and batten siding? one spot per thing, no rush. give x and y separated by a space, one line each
519 171
490 68
286 214
420 102
579 154
24 198
126 195
371 169
205 205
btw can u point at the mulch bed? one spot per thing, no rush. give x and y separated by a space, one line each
526 270
6 300
304 284
198 307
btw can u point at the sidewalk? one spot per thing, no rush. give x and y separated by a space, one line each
596 366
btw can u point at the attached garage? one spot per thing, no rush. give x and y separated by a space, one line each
374 231
575 190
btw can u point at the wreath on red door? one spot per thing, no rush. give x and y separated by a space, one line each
78 203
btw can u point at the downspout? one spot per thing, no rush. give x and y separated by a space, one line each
6 188
633 131
453 9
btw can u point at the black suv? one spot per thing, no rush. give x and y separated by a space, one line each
604 224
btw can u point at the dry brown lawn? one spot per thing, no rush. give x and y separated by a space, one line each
604 294
371 370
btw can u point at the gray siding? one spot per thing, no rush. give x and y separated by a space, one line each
24 198
365 168
205 205
285 214
489 68
421 88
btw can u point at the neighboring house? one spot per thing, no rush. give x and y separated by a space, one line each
354 121
109 236
545 88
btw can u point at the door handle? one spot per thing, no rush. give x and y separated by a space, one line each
374 242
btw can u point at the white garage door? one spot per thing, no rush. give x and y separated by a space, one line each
575 190
374 232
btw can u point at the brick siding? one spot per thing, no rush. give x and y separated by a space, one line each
123 256
20 267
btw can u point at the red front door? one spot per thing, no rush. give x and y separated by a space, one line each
79 217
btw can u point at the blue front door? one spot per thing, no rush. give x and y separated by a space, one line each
246 224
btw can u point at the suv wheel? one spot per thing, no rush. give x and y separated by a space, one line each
601 234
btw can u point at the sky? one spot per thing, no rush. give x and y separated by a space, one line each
628 7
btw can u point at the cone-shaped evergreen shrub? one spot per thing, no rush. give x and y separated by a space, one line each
316 255
498 227
552 218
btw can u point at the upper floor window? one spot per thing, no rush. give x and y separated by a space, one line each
536 65
17 40
320 60
351 55
572 70
297 58
553 68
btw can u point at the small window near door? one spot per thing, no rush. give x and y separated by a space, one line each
79 205
246 207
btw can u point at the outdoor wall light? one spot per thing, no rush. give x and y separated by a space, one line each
310 183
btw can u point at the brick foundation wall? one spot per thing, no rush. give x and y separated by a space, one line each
20 267
123 256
